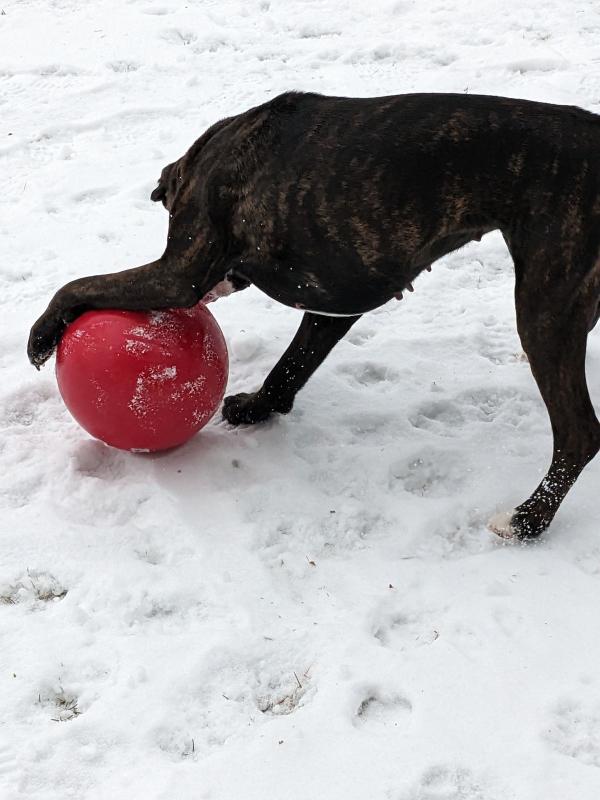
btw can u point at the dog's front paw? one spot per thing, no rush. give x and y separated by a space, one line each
246 409
44 337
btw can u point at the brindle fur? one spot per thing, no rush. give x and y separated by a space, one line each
337 204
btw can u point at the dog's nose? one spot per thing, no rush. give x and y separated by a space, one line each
159 193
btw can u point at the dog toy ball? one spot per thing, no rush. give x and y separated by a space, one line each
143 380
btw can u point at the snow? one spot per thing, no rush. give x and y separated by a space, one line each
312 608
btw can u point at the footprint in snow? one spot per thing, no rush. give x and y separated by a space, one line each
284 694
99 501
93 459
360 334
381 710
106 236
574 729
167 609
24 406
443 417
20 490
450 783
178 36
373 426
462 533
497 350
97 194
431 472
401 630
496 342
316 31
151 555
230 695
500 404
369 373
503 405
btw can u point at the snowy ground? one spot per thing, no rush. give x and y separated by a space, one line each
312 608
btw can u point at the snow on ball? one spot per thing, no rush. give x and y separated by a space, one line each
143 380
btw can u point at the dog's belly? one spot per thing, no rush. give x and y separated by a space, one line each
324 313
330 296
326 303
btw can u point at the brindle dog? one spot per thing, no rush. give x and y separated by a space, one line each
334 205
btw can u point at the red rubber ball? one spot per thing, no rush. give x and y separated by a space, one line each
143 380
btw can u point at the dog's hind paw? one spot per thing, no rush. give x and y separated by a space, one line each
501 525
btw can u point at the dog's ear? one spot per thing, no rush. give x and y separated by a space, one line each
160 192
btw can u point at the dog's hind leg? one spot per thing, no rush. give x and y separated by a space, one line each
314 340
553 324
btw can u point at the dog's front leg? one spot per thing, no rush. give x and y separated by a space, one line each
314 340
158 285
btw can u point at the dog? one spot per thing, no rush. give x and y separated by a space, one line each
334 205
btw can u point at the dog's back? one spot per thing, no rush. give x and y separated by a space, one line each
392 183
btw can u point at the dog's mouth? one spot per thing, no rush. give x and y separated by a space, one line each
231 283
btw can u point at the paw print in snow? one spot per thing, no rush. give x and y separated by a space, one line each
381 709
574 731
450 783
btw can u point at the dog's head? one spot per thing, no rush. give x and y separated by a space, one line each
169 184
184 189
